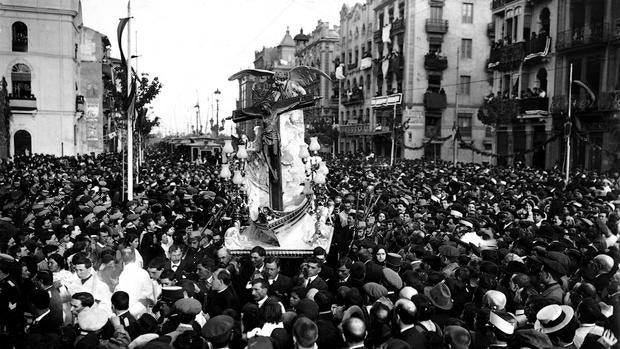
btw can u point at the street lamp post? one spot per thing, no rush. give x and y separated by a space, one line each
217 112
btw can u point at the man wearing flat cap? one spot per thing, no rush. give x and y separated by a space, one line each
219 331
449 256
186 310
550 275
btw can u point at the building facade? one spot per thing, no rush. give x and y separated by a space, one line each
589 40
278 59
403 49
444 47
319 50
39 52
355 92
91 109
522 60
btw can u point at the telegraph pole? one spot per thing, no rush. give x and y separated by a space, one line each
456 107
130 111
569 122
393 137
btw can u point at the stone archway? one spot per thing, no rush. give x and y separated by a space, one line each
22 143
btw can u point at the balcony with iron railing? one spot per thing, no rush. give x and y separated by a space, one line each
377 35
355 96
499 111
534 104
398 26
506 57
497 4
537 45
435 101
355 129
608 101
583 37
22 102
436 25
434 62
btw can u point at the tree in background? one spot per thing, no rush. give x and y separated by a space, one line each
147 91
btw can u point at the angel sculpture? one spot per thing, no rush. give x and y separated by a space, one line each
275 93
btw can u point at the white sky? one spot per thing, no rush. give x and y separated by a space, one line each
193 46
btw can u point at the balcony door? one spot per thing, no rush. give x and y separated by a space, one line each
23 143
21 81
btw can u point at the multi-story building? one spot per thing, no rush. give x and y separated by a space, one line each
407 45
355 93
588 38
522 61
39 54
54 67
90 104
441 50
279 59
319 50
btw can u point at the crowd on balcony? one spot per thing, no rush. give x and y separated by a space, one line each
537 92
508 40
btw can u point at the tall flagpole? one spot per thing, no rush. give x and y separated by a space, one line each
129 111
569 122
456 108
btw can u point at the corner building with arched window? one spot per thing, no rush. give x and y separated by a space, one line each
522 61
39 42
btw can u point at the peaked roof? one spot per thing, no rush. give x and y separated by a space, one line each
287 40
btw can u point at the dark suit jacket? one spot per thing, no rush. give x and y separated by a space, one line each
180 269
217 302
281 287
130 324
374 273
327 273
413 337
56 310
44 334
317 283
329 334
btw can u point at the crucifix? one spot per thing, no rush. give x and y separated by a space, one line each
273 94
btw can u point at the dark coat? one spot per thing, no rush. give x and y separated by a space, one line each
329 334
317 283
44 334
130 324
178 274
413 337
217 302
281 287
374 273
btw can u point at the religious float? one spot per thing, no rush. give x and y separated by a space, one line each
282 178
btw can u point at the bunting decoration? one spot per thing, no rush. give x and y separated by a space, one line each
470 146
130 100
434 140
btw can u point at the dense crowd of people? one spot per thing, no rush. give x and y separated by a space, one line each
423 255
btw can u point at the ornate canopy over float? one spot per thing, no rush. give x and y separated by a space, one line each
280 177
